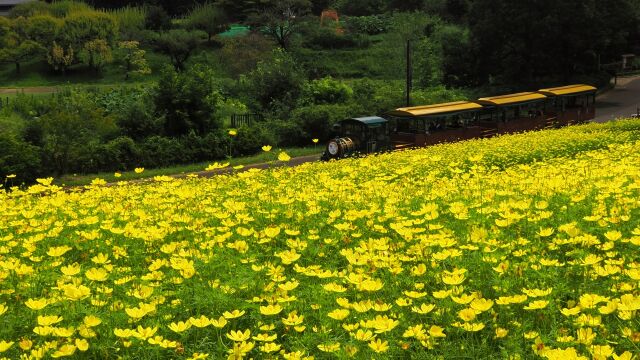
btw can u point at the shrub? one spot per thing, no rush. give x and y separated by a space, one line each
370 25
131 22
287 133
250 140
317 120
18 158
189 101
327 38
326 91
277 82
157 19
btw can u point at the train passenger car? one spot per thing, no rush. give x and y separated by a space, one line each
572 104
434 124
362 135
507 114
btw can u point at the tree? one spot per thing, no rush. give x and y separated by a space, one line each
74 122
241 54
157 19
59 58
281 19
189 101
277 82
96 53
89 36
513 39
133 59
178 44
209 18
14 48
43 29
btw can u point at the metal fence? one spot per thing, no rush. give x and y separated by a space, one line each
238 120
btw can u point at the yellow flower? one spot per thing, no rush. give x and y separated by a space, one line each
332 347
11 176
284 157
180 326
117 174
216 166
82 344
315 141
3 309
97 274
233 314
200 322
64 350
585 336
467 314
4 345
436 331
139 170
379 346
269 348
538 304
266 148
270 309
36 304
265 337
293 319
220 323
45 182
239 336
233 132
49 320
91 321
363 335
501 332
481 305
338 314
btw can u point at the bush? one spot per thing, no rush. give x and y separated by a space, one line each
157 19
288 133
370 25
251 139
317 120
18 158
326 91
276 83
189 101
327 38
158 151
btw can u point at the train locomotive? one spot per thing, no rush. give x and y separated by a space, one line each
455 121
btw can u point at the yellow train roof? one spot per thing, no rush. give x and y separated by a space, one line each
567 90
426 110
511 98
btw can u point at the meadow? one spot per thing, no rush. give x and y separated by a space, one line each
517 247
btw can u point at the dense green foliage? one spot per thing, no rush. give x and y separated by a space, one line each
299 74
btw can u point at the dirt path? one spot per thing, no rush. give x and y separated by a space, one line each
29 90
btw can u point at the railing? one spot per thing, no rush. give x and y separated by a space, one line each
239 120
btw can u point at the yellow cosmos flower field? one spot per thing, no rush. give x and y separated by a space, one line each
519 247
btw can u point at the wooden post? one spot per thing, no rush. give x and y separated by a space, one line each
409 74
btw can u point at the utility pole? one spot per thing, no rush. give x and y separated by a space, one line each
409 73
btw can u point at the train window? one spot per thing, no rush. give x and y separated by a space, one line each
420 128
510 113
486 115
407 125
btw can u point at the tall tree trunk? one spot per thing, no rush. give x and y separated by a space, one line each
17 67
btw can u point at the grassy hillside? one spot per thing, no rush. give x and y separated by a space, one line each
523 246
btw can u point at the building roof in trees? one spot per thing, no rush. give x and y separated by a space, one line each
6 5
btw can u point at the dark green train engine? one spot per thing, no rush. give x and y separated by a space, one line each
354 136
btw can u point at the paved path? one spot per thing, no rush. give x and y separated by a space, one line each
622 101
